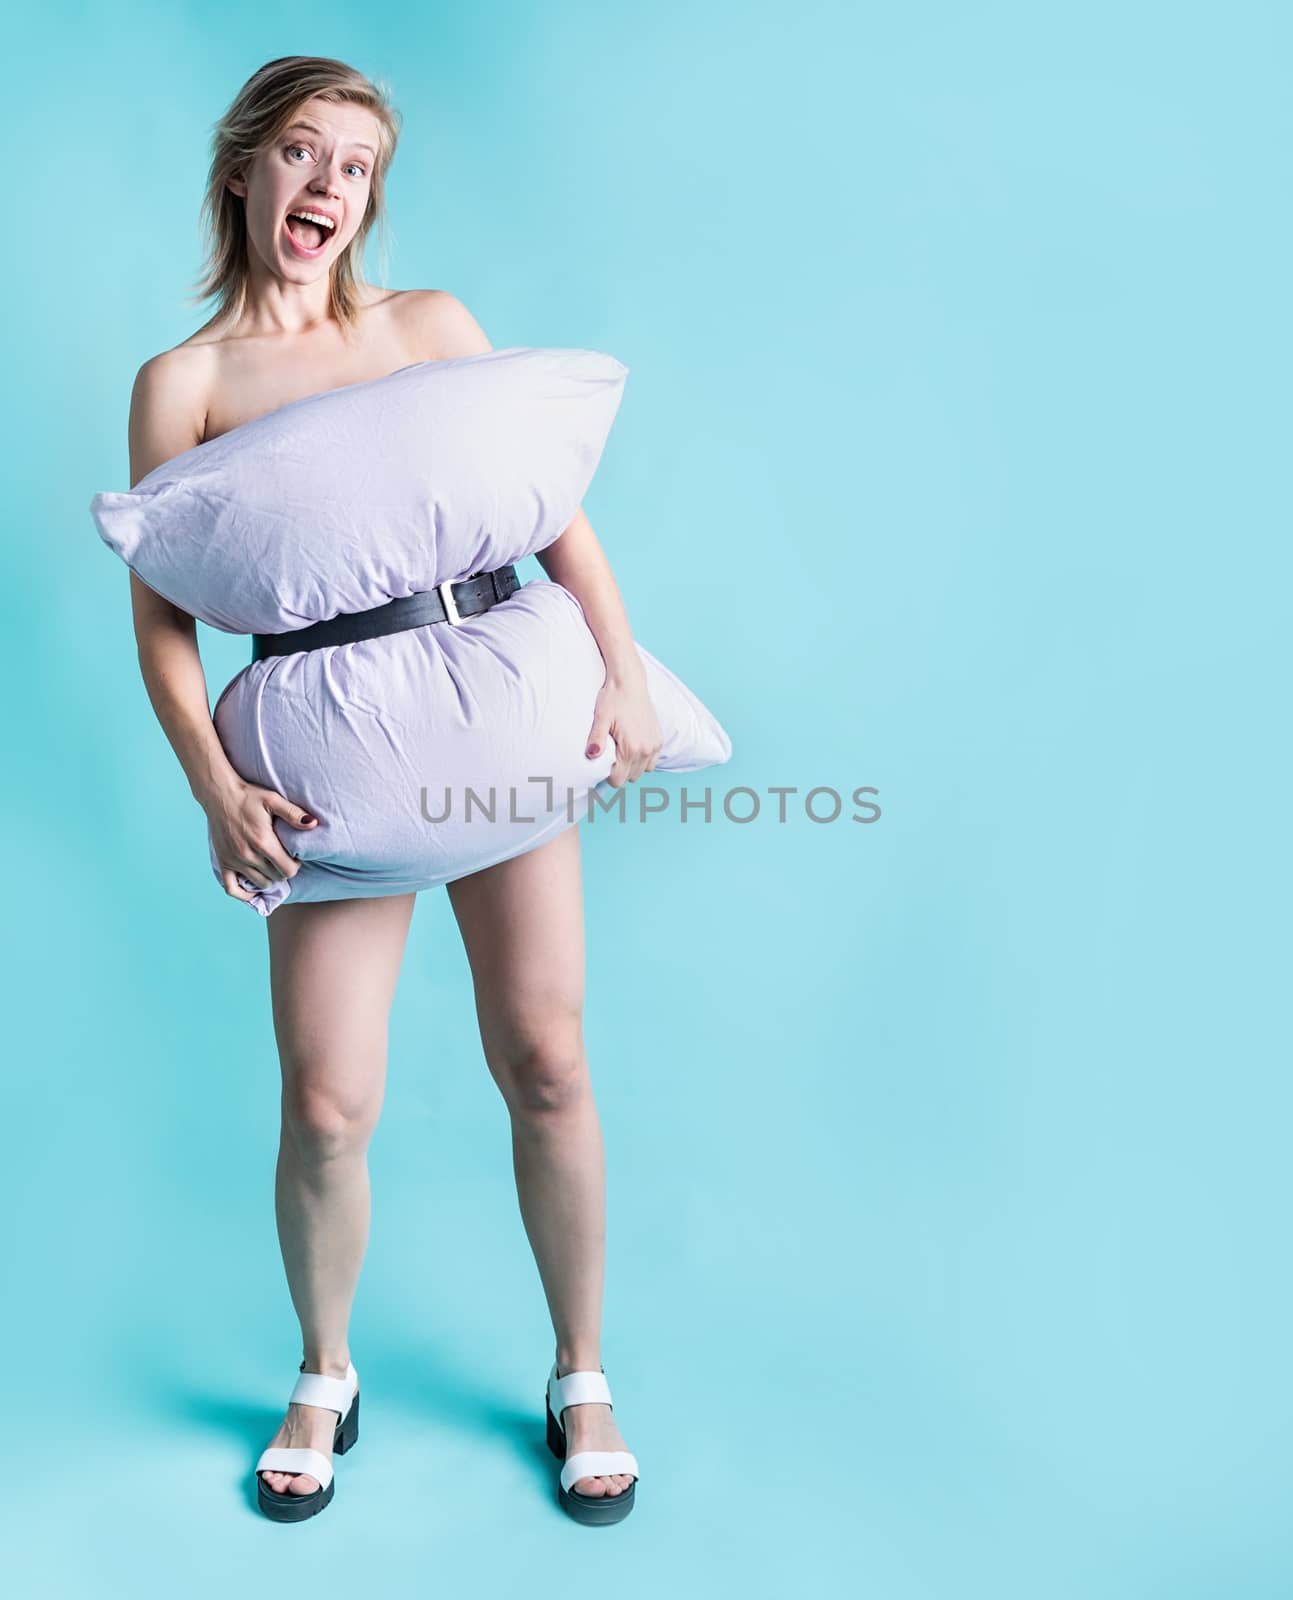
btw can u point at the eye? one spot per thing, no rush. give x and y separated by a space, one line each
358 168
299 147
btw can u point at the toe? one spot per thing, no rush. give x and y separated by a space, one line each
290 1482
590 1486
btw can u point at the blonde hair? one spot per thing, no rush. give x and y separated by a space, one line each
262 109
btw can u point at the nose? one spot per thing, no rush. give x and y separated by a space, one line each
326 182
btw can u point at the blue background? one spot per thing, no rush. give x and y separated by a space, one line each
947 1156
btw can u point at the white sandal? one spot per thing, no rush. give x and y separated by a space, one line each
586 1388
333 1394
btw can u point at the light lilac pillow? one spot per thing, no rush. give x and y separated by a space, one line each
348 498
431 753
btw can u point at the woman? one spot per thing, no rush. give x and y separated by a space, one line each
313 136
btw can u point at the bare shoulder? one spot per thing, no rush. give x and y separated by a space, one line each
438 326
168 406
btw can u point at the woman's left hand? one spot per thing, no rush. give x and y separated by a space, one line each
623 711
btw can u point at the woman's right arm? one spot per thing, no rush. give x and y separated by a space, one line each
166 420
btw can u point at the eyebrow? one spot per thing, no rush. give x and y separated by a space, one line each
355 144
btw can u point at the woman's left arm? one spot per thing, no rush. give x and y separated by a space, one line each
623 710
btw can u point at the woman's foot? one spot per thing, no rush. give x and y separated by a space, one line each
311 1426
592 1427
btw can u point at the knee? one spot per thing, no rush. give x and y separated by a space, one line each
544 1072
324 1125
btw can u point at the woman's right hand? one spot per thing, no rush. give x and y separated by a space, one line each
241 817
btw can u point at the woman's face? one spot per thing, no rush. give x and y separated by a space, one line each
323 163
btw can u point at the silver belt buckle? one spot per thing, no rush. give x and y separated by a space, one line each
450 604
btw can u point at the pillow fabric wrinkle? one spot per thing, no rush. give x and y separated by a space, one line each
276 702
340 501
331 811
383 728
364 720
463 697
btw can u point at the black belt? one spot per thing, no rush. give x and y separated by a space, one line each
447 602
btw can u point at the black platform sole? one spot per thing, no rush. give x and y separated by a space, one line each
299 1507
595 1511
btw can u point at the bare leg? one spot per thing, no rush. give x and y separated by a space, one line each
333 970
522 923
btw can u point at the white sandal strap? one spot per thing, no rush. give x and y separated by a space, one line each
596 1464
333 1394
576 1389
296 1458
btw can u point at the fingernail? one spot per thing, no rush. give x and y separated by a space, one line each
592 749
306 817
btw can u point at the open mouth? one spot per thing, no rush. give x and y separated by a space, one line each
308 238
